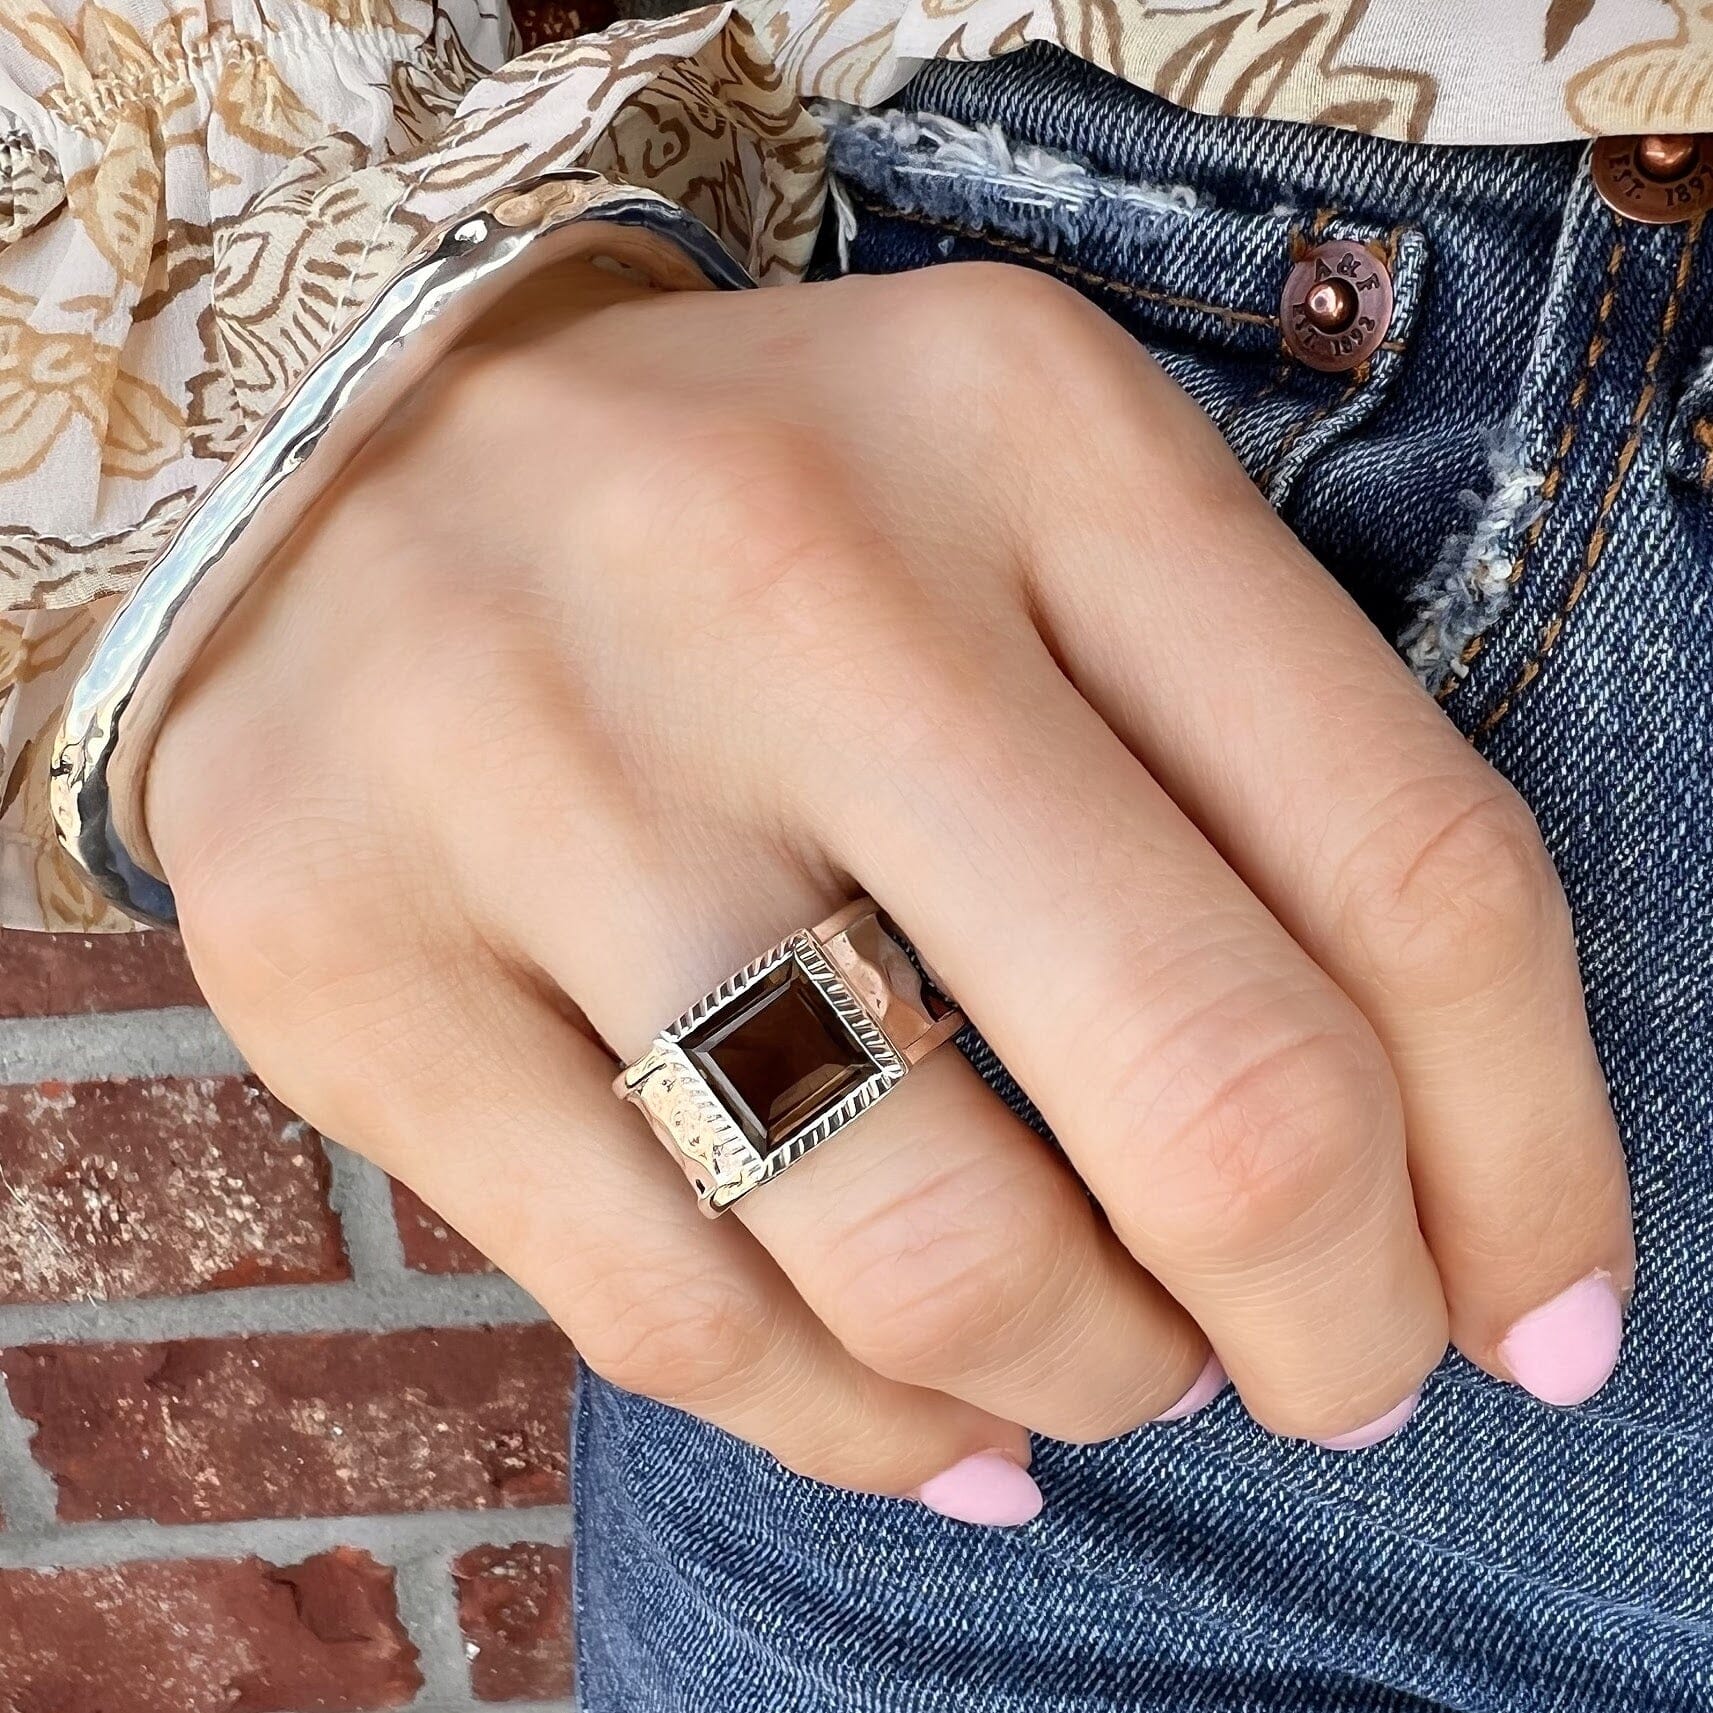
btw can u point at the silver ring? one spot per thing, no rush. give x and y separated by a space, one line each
115 711
787 1052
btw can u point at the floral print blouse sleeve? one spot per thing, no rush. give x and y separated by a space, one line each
196 194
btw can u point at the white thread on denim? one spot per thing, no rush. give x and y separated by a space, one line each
981 161
844 221
1696 395
1473 580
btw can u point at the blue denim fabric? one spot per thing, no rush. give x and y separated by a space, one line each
1498 1556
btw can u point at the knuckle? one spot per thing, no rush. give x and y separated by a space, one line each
945 1279
484 386
776 529
282 912
1456 898
1253 1131
974 309
255 937
687 1340
319 978
1001 330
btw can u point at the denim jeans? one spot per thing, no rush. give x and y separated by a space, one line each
1518 488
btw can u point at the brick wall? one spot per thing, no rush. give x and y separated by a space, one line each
272 1438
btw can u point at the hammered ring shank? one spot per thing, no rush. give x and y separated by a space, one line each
788 1051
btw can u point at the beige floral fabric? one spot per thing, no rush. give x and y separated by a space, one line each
196 194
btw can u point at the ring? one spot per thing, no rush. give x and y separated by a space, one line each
787 1052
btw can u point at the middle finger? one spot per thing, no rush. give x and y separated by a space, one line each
1229 1107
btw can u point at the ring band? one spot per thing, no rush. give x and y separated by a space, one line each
787 1052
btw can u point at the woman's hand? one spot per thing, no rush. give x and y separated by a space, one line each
653 633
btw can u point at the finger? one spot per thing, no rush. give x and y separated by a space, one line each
500 1113
1228 1106
945 1246
1278 717
941 1241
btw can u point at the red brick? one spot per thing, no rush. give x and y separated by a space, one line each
514 1603
205 1636
430 1244
56 975
322 1424
159 1187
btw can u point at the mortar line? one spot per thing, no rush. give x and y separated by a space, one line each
361 1196
29 1500
179 1041
428 1610
416 1301
393 1539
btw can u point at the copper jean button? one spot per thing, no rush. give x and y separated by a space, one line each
1337 306
1658 179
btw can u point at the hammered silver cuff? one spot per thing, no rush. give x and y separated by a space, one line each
116 707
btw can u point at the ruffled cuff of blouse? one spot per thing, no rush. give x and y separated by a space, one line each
191 208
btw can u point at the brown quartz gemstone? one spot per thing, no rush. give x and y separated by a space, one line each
777 1055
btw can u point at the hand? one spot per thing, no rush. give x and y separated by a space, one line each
651 633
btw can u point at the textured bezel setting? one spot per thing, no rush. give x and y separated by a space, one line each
776 1055
768 1066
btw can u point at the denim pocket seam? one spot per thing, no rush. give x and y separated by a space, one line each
1552 631
1072 272
1598 342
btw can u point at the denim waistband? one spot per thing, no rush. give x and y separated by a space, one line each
1515 281
1065 103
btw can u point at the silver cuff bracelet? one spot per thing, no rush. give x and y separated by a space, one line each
232 529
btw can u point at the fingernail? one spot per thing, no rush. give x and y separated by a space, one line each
1209 1383
1382 1428
1565 1351
987 1488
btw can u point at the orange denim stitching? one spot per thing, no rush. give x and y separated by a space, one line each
1069 270
1555 627
1597 343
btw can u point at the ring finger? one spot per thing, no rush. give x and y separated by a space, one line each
943 1243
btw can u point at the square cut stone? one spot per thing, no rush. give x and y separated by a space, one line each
777 1055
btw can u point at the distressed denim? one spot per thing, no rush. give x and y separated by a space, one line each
1518 490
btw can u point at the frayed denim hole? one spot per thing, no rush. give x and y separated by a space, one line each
1473 581
936 166
1689 441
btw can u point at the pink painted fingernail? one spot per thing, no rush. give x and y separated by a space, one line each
987 1488
1209 1383
1383 1428
1565 1350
